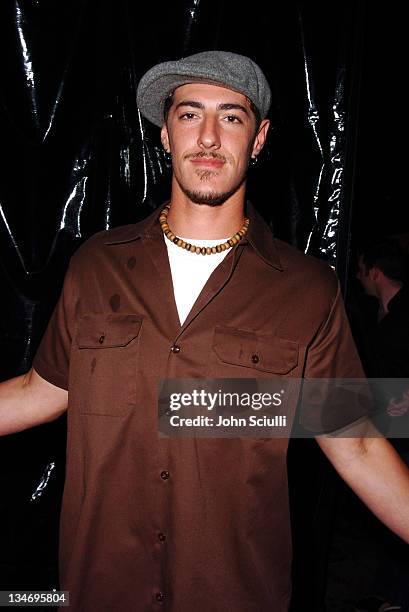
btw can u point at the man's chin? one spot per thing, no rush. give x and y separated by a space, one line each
209 198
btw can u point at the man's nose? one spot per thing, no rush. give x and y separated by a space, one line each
209 137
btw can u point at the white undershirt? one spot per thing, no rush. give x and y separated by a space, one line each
190 272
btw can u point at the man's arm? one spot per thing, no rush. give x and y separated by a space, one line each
29 400
374 470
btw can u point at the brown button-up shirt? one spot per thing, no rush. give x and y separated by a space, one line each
181 524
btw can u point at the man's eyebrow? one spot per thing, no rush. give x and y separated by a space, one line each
221 106
232 106
192 103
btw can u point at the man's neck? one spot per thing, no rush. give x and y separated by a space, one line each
385 296
205 222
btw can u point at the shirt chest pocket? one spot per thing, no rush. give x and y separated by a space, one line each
261 355
103 364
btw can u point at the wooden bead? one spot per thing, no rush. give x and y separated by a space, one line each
218 248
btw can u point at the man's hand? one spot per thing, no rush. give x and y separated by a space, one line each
29 400
398 408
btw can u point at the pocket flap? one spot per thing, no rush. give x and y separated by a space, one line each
108 330
250 350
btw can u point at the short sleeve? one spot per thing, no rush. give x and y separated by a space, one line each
333 353
52 358
335 392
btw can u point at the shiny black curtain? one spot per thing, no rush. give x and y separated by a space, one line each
77 157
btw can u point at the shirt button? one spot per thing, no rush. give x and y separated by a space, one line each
159 597
161 537
175 348
255 358
101 339
164 475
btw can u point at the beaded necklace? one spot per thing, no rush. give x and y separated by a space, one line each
210 250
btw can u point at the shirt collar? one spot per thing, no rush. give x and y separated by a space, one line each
259 235
128 233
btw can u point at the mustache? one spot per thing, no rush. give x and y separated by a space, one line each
206 155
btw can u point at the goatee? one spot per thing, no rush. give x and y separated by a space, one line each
210 198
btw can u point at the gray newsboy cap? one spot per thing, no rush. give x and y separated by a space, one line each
230 70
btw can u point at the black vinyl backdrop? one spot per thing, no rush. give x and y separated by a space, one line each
77 158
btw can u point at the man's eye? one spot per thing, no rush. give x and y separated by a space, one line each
188 116
232 119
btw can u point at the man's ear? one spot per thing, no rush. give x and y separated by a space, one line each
374 273
260 137
165 138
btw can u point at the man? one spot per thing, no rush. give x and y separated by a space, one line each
381 272
190 524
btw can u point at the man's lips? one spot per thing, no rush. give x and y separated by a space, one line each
210 162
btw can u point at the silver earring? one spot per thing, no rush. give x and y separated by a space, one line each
253 161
